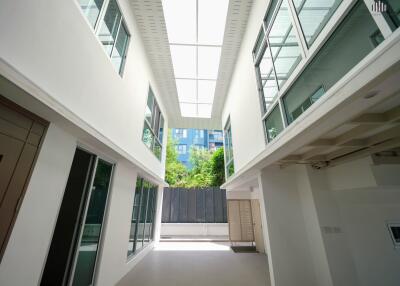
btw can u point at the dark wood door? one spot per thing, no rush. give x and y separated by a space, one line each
20 136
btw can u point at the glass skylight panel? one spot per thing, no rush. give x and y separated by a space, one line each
208 62
184 61
180 19
212 18
206 90
195 32
188 109
204 110
186 90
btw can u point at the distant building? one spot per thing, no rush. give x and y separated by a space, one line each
202 138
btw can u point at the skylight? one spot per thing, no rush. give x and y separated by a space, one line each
195 32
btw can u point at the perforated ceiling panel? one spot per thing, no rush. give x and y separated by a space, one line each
150 19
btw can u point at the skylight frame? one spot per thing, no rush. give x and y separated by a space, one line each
208 72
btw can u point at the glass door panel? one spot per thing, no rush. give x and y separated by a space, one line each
90 237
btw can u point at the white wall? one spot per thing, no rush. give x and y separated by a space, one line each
30 239
242 101
51 43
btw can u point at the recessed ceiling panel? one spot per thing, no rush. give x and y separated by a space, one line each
180 19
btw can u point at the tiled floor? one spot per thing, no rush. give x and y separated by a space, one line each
198 264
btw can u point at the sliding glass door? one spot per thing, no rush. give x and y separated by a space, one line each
91 231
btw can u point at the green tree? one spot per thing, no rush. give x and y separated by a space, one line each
176 174
217 167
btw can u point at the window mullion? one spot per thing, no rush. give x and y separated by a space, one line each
116 37
297 29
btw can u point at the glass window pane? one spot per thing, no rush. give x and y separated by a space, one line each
91 9
119 51
268 81
273 123
313 16
259 41
161 129
284 46
347 46
109 27
90 239
393 13
135 216
142 218
157 149
149 107
147 135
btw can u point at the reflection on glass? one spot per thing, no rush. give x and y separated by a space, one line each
284 46
109 27
91 9
273 123
157 149
142 216
149 106
268 81
135 217
313 16
347 46
147 135
259 41
393 13
228 150
161 129
89 244
119 51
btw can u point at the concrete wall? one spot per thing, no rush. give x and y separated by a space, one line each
50 43
329 227
195 229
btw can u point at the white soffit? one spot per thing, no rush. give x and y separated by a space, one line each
201 82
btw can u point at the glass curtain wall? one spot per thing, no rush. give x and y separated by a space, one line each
277 53
143 212
153 129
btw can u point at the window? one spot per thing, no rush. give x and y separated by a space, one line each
353 35
393 13
198 133
229 166
394 229
313 16
277 53
153 129
181 133
111 29
273 123
143 211
181 148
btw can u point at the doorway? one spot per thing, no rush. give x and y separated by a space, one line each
76 240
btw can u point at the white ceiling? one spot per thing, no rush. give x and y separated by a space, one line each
151 21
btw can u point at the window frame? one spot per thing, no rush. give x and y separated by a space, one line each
228 131
95 29
154 125
308 53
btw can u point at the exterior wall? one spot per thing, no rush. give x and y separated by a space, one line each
30 240
49 50
242 102
60 54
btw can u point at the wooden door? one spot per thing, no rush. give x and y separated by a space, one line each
257 225
20 136
240 221
235 230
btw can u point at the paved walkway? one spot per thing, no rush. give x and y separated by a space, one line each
198 264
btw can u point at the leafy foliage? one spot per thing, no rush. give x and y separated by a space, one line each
207 170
